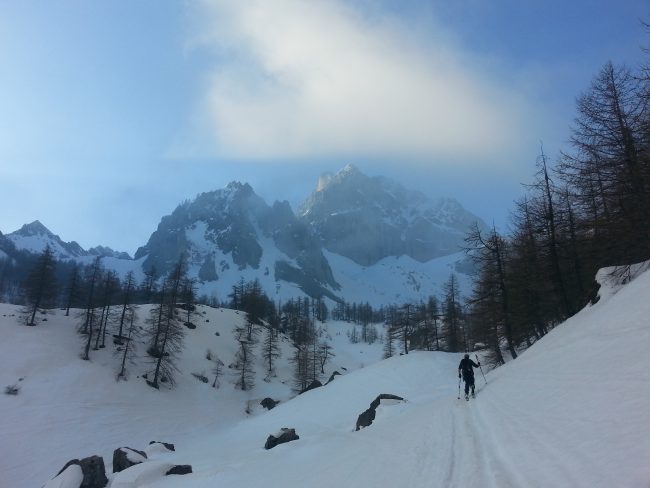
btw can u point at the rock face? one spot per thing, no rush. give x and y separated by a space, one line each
225 231
285 435
367 219
368 416
93 469
356 238
125 457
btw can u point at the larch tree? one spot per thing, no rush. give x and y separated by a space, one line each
40 286
169 331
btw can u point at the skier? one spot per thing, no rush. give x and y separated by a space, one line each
467 366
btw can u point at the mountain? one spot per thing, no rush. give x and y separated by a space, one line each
229 234
34 237
356 238
367 219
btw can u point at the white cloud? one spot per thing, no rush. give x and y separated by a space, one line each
301 79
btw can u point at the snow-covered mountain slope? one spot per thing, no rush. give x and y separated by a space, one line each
232 234
34 237
395 280
358 239
68 408
572 411
229 234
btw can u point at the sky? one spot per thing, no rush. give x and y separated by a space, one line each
112 113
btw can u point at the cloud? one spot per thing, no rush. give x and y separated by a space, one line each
302 79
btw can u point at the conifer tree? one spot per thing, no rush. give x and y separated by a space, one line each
88 316
73 288
40 286
244 360
167 331
127 294
129 344
270 351
452 315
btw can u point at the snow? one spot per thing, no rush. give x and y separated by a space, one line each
71 477
141 474
396 279
571 411
201 244
37 243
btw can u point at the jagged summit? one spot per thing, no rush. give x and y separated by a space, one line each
356 238
369 218
33 228
349 171
230 233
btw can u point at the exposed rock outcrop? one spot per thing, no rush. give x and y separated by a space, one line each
285 435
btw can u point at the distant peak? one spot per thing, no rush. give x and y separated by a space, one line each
237 186
34 228
349 169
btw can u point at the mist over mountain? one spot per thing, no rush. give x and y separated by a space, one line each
355 238
369 218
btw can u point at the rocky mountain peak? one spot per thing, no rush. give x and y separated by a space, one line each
369 218
35 228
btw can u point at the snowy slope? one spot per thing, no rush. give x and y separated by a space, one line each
68 408
572 411
396 280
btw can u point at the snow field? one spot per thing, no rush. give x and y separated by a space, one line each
571 411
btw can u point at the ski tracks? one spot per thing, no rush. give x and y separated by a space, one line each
476 458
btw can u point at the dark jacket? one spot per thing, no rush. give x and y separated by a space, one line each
466 366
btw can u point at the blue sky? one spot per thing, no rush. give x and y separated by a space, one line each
112 113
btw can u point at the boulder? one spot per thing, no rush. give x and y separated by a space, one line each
366 418
125 457
269 403
384 396
180 469
285 435
170 447
93 470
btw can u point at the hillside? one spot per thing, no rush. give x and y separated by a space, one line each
570 412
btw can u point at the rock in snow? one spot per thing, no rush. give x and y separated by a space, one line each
269 403
366 418
93 470
285 435
125 457
168 446
180 469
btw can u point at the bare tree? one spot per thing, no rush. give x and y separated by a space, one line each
40 286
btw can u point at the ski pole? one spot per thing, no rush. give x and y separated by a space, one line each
459 388
480 367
